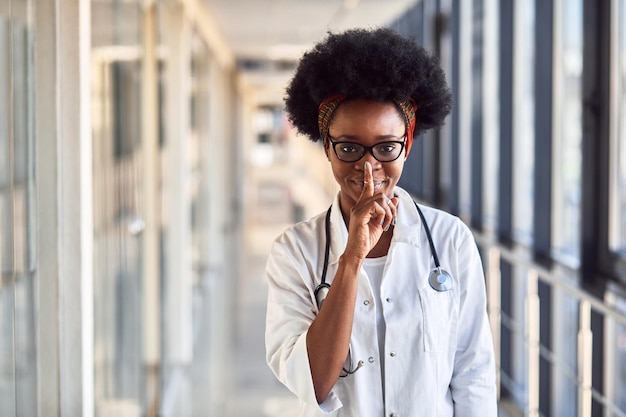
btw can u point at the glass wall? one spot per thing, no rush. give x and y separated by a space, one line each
565 366
566 198
553 106
7 288
617 375
567 136
18 361
136 227
616 357
491 144
120 375
617 162
464 107
523 118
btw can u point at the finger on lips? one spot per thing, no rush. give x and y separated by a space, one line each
387 204
368 183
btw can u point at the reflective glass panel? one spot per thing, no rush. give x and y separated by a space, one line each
7 364
568 129
23 196
619 366
18 349
517 383
617 163
491 126
523 120
564 370
119 367
465 106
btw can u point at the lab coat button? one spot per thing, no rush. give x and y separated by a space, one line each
370 359
392 415
388 300
393 354
366 302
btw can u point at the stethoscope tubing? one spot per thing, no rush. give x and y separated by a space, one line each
439 279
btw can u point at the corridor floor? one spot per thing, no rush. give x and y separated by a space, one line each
257 393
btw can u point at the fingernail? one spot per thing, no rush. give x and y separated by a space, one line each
383 222
387 228
365 165
394 222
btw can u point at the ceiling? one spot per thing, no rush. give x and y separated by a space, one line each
267 37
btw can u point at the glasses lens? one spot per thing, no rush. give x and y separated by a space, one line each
387 151
349 152
384 152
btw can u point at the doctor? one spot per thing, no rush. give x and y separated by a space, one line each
376 307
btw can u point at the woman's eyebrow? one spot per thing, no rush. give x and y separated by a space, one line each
357 137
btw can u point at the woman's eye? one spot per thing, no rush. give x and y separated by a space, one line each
348 149
387 148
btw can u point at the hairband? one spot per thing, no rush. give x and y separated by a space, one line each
328 107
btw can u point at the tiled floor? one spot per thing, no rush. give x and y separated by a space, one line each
257 393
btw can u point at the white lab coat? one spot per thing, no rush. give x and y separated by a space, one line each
439 359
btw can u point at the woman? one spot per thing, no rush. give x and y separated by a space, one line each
360 320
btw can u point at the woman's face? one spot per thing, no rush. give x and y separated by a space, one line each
367 123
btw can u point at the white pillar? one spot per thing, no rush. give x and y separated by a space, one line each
150 152
178 273
64 212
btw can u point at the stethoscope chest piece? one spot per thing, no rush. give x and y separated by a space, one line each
320 293
440 280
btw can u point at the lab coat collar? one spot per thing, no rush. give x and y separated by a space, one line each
407 230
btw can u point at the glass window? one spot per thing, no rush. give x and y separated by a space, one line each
7 381
523 119
616 358
618 363
199 109
565 349
23 195
5 88
465 107
518 384
567 129
119 369
18 375
490 113
617 162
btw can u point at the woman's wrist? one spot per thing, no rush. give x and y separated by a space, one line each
349 261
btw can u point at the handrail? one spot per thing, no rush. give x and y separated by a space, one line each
587 302
546 276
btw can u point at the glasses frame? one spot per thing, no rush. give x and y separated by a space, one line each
366 149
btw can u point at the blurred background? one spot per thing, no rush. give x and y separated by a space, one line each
146 165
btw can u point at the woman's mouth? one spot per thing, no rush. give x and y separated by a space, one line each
378 185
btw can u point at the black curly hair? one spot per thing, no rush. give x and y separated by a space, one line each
374 64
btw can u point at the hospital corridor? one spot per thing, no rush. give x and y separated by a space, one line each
148 163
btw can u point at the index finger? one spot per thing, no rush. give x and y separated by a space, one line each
368 183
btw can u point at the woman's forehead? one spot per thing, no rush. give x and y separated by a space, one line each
367 116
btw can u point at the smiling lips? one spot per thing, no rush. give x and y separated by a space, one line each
377 184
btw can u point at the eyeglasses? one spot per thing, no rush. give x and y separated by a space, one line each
383 152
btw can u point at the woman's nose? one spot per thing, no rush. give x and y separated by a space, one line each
368 156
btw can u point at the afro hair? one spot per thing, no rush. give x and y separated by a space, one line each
376 64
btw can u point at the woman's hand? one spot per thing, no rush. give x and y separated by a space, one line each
370 217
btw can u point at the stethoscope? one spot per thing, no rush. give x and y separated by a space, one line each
439 279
